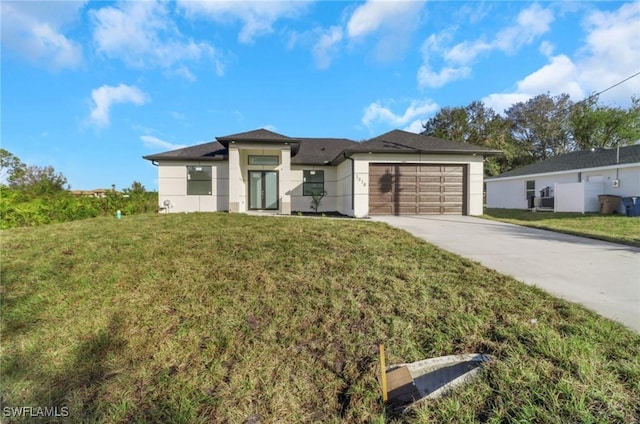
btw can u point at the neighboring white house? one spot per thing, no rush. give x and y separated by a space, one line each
396 173
569 183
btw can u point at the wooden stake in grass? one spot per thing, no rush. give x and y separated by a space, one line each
383 375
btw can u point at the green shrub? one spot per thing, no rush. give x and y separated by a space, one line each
19 210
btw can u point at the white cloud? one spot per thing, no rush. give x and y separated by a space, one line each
156 143
142 35
610 55
257 17
500 102
393 22
184 72
429 78
612 51
376 14
326 46
34 30
106 96
546 48
466 52
559 76
531 23
415 127
376 112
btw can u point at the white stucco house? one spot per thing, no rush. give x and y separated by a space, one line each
396 173
569 183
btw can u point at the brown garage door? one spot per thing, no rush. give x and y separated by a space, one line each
412 189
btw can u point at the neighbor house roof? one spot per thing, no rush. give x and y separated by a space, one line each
403 141
583 159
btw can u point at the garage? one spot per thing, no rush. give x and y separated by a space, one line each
417 189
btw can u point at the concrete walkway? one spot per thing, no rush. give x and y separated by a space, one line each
604 277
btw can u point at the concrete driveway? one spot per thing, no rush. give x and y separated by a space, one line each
604 277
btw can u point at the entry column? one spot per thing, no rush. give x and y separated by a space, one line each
234 179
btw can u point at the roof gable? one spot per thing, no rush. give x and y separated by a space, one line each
583 159
256 135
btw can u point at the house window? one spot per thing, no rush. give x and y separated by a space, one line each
531 189
198 180
312 183
263 160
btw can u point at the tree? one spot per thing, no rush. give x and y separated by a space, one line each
541 125
38 181
10 166
596 126
479 125
136 188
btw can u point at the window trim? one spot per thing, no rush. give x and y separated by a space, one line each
529 192
209 179
263 190
306 183
274 163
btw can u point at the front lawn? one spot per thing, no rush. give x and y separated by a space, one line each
615 228
191 318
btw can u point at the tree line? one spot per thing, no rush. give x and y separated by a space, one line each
540 128
34 195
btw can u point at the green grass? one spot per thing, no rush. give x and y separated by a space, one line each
615 228
191 318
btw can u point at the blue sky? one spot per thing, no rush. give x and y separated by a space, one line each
91 87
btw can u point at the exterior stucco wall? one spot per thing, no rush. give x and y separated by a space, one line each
347 193
239 165
303 203
344 188
172 186
510 193
474 182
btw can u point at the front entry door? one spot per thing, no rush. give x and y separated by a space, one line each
263 190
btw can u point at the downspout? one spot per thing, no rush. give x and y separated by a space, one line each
353 183
617 159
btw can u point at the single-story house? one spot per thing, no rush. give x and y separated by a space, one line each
569 183
396 173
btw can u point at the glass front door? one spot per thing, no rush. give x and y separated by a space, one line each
263 190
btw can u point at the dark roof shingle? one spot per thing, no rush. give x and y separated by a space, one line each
323 151
207 151
256 135
320 151
583 159
403 141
